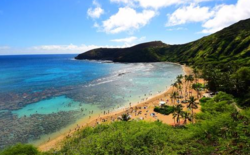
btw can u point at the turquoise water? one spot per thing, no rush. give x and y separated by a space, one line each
53 105
42 94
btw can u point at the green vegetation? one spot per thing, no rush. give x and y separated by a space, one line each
164 109
233 80
178 113
219 129
124 117
20 149
139 53
192 105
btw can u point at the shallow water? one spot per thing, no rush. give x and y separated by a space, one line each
52 105
41 95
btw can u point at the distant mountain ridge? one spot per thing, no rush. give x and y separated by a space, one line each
231 43
121 54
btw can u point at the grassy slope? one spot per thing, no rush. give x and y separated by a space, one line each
232 43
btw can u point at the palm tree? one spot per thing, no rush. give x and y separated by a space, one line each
190 79
178 112
179 77
174 116
196 74
186 81
124 117
185 78
173 96
180 89
195 87
192 104
179 81
186 116
175 85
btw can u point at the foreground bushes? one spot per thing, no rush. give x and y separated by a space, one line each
20 149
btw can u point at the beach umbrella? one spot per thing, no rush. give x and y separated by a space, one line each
162 103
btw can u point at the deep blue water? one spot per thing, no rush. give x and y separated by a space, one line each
42 94
36 72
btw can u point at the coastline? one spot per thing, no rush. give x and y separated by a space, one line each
149 105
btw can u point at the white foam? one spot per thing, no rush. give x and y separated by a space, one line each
103 82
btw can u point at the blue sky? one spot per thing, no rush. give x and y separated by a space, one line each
75 26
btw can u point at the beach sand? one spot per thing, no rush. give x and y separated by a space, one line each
146 108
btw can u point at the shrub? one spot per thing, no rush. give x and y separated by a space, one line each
20 149
166 110
204 99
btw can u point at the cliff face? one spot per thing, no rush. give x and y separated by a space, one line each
231 43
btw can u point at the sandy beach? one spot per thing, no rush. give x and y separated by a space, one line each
145 108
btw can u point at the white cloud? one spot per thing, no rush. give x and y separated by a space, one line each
96 25
126 40
199 1
127 19
213 19
62 48
95 12
226 15
129 40
56 49
71 48
121 1
126 2
142 38
177 29
191 13
156 4
4 47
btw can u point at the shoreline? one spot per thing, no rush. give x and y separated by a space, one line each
150 103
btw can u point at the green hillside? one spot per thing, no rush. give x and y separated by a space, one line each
138 53
229 44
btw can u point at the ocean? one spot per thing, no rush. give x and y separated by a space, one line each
41 96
